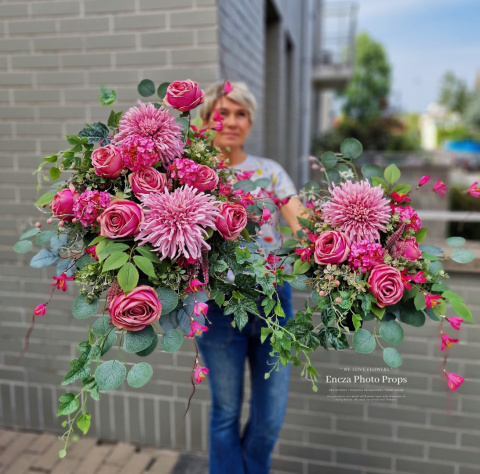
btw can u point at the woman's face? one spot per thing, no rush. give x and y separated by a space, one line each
236 124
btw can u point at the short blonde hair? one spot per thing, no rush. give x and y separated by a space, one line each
240 94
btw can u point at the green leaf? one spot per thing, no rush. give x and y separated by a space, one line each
402 188
29 233
291 243
300 267
300 283
262 183
23 246
83 422
116 260
139 375
44 258
45 237
82 309
421 234
242 255
136 341
114 119
376 181
329 160
392 174
128 277
145 265
51 159
412 317
110 375
95 133
462 256
245 185
172 340
312 187
363 341
168 298
306 223
45 199
183 122
456 241
62 453
431 249
337 339
356 320
101 326
146 88
107 246
391 357
377 311
391 331
419 301
351 148
109 342
162 89
55 173
150 348
370 170
107 96
68 404
147 253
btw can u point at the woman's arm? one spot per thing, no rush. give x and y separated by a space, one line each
290 211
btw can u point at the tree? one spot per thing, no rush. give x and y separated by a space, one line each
454 93
472 112
367 92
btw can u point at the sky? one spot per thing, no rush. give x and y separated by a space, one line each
423 39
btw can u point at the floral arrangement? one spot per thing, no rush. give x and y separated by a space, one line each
361 253
147 215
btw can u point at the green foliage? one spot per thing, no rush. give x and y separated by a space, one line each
172 340
146 88
83 422
115 260
392 174
363 341
45 199
101 326
136 341
95 133
146 251
370 170
84 308
412 316
351 148
455 241
391 332
454 94
329 160
44 258
391 357
162 90
150 348
139 375
68 404
45 237
110 375
114 119
168 298
128 277
107 96
23 246
462 256
145 265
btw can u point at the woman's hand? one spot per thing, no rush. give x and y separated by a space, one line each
290 211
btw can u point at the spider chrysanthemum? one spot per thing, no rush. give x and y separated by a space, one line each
158 125
175 223
359 210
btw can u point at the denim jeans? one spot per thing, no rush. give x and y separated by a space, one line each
225 350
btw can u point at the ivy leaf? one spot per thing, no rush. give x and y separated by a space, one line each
68 404
113 119
83 422
242 255
139 375
55 173
107 96
95 133
337 339
110 375
128 277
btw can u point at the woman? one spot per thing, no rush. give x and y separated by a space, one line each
224 348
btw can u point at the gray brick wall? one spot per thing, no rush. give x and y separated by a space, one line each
54 55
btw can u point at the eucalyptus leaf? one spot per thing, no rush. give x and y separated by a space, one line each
83 309
172 340
101 326
456 241
162 89
168 298
351 148
391 357
391 332
363 341
462 256
146 88
23 246
136 341
45 237
29 233
139 375
329 160
370 170
110 375
150 348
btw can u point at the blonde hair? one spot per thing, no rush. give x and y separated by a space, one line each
240 94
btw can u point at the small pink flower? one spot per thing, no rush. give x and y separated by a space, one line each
183 170
266 214
61 281
200 373
431 300
272 259
92 252
364 255
455 322
196 329
227 88
453 380
447 341
440 188
138 152
194 286
407 248
423 180
305 254
199 132
200 309
217 117
90 205
408 213
40 310
244 175
474 190
218 127
400 197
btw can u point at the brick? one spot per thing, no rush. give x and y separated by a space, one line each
422 467
166 38
108 6
50 457
65 43
113 77
189 56
328 438
31 27
470 440
341 408
317 469
364 460
470 405
138 59
207 36
16 448
165 4
59 78
314 453
55 8
35 61
287 465
138 22
61 112
352 425
86 60
14 45
15 79
5 129
13 10
455 421
26 96
18 145
82 25
468 470
296 418
194 19
395 414
433 435
110 42
395 448
455 455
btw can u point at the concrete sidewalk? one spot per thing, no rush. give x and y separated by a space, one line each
23 452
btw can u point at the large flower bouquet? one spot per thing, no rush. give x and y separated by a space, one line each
360 252
147 216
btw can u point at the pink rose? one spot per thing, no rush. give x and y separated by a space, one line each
184 95
332 247
147 180
407 248
62 204
231 221
206 179
386 285
121 218
134 312
108 161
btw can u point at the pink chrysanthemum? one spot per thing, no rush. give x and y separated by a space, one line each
138 152
184 170
156 124
408 213
175 223
359 210
364 255
89 205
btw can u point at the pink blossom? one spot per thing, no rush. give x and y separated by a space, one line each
400 197
61 281
196 329
418 278
453 380
40 310
184 171
474 190
247 199
92 252
199 132
122 218
217 117
431 300
331 247
407 248
440 188
195 285
62 204
184 95
147 180
176 223
227 87
447 341
231 220
200 373
244 175
423 180
455 322
218 127
158 125
272 259
90 205
365 255
200 308
107 161
266 214
305 253
138 152
386 285
409 214
358 210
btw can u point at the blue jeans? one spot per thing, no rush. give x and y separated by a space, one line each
225 350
